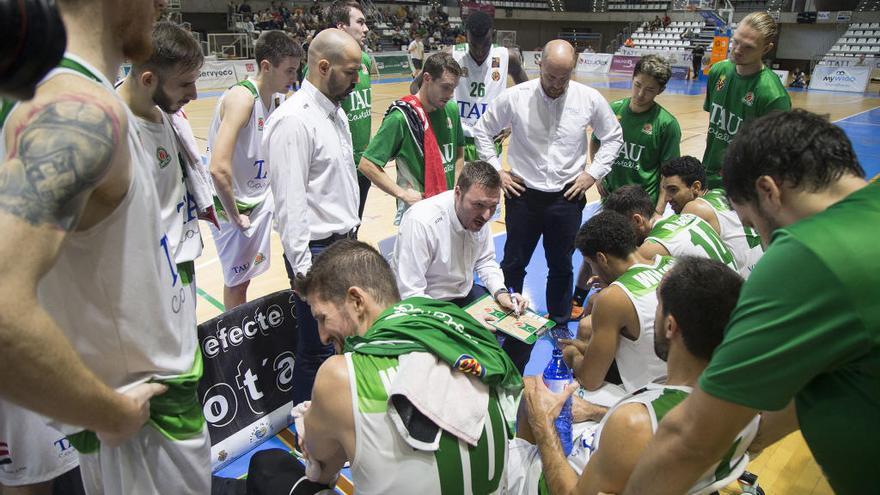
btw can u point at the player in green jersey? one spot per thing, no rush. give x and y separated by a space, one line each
804 339
741 89
348 16
396 138
651 136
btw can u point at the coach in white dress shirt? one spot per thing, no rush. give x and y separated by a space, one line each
549 175
443 240
313 180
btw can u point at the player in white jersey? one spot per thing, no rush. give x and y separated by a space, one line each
621 326
484 71
239 167
154 91
77 197
684 180
675 235
695 300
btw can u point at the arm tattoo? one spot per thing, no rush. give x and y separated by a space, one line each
62 153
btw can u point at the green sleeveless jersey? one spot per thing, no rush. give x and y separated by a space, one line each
358 107
690 235
731 100
650 138
394 141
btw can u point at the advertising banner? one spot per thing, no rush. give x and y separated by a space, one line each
852 79
245 69
594 63
624 64
216 75
783 76
531 60
392 63
246 388
719 51
676 57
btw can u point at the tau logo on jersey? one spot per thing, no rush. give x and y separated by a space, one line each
496 62
468 364
749 98
496 75
259 258
260 123
163 156
720 84
648 129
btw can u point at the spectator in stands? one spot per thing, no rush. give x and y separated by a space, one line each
666 21
245 8
628 43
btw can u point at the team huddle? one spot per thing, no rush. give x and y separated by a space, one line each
733 298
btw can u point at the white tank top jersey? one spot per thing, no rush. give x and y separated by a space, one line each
636 360
743 242
178 209
659 400
690 235
114 289
250 170
479 84
384 464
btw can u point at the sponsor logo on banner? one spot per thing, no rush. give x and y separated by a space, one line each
844 16
248 373
624 64
851 79
594 62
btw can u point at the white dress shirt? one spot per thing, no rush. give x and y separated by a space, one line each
548 143
435 256
312 176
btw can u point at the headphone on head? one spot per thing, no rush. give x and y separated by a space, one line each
32 42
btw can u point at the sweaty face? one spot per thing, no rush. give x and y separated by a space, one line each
175 91
678 194
133 27
476 206
479 47
439 91
357 26
644 90
747 47
283 75
555 78
335 322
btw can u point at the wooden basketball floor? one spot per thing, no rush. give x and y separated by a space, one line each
785 468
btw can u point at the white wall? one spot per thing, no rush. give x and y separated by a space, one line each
803 41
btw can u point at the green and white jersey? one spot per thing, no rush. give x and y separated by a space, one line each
394 141
743 242
250 171
650 139
636 359
479 84
178 209
690 235
659 400
358 107
384 463
731 100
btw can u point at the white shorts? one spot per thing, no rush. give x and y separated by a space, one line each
30 450
245 254
150 463
524 466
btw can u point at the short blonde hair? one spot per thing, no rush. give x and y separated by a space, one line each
762 23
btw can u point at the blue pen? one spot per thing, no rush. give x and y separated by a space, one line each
513 299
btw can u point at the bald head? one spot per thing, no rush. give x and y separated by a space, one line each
559 53
334 63
333 45
557 63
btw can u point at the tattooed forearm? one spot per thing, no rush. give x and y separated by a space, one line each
61 154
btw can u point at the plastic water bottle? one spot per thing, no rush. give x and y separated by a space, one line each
557 376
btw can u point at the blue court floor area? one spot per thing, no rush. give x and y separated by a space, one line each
863 130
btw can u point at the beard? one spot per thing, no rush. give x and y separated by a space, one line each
164 102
